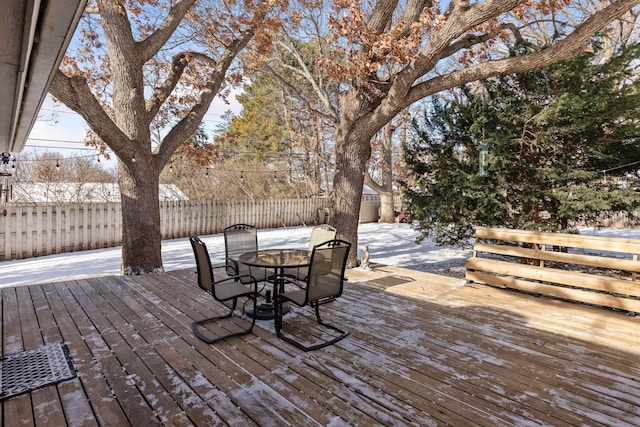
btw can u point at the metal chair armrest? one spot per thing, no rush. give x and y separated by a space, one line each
231 263
292 280
236 277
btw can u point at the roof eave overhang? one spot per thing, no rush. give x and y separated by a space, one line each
37 34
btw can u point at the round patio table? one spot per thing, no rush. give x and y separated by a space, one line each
278 260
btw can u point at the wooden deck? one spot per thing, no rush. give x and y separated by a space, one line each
423 350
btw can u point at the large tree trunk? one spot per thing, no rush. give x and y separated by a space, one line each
352 155
385 187
386 207
385 192
141 236
135 68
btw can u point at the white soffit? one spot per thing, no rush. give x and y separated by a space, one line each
35 35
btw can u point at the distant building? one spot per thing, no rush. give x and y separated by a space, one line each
77 192
370 205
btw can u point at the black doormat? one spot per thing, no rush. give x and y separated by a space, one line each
32 369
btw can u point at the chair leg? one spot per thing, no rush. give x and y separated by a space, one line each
277 311
278 327
208 340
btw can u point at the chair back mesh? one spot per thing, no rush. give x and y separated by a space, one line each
203 264
326 272
320 234
239 239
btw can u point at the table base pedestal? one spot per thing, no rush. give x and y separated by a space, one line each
265 311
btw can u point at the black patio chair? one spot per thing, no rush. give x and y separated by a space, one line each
239 239
229 288
323 285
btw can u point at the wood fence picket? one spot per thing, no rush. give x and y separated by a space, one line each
36 230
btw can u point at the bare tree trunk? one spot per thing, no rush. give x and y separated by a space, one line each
141 234
386 207
386 198
385 187
133 67
352 155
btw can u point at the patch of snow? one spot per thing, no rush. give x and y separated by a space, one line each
389 244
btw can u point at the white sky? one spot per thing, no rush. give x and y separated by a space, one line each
391 244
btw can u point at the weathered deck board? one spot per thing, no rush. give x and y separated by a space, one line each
423 350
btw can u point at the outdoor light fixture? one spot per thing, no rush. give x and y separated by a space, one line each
5 182
483 160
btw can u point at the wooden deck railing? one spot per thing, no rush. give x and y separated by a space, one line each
30 231
588 269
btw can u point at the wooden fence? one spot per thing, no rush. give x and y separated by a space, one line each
30 231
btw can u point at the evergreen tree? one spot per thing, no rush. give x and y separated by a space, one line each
259 133
562 143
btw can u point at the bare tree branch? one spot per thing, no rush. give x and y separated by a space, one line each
116 22
381 15
572 45
307 75
190 122
74 92
293 89
152 44
459 22
162 92
414 9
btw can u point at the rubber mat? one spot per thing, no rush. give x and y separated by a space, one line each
32 369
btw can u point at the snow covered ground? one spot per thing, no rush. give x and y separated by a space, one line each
391 244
